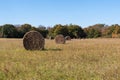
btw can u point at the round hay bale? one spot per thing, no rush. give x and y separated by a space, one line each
33 40
59 39
67 38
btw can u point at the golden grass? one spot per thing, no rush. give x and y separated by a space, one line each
86 59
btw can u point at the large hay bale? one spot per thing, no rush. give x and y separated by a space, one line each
59 39
67 38
33 40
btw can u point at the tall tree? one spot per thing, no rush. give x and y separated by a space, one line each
0 31
9 31
23 29
116 31
92 33
60 29
75 31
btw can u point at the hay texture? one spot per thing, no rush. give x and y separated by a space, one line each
59 39
67 38
33 40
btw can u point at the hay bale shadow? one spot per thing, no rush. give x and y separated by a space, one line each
53 49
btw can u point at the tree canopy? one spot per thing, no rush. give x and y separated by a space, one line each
72 30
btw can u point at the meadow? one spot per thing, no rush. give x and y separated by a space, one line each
78 59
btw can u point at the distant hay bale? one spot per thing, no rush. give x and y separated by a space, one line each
33 40
67 38
59 39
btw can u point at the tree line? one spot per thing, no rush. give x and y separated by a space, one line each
72 30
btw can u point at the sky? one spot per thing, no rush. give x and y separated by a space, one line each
51 12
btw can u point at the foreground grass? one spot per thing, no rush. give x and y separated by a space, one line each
87 59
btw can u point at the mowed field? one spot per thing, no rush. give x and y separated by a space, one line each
80 59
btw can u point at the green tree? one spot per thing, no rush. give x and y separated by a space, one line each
75 31
110 30
23 29
42 30
51 33
92 33
114 31
8 31
58 29
0 31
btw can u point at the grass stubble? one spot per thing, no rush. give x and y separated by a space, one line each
78 59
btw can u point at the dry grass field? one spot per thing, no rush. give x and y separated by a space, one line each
86 59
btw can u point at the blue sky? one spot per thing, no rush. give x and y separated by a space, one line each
51 12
